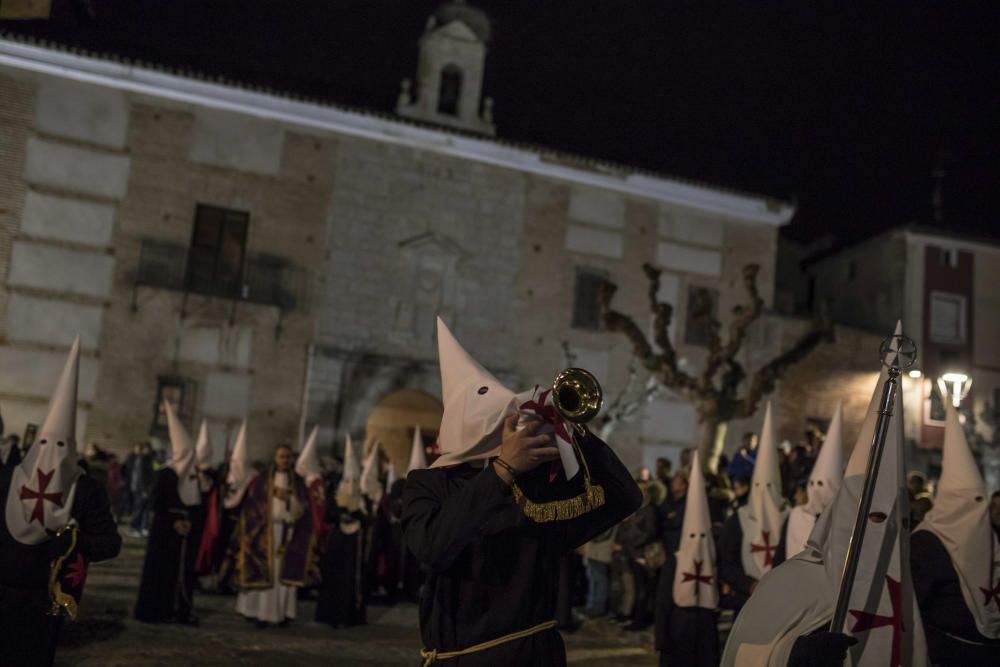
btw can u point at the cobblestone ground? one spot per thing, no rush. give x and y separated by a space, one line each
107 636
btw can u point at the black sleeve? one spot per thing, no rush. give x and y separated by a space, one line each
622 496
779 555
730 560
98 537
437 526
927 562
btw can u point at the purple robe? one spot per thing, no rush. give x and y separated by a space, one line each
254 533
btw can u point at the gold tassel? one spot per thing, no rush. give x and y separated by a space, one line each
561 510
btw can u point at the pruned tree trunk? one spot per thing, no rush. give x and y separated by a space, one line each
715 391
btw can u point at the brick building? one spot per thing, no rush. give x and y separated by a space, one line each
241 252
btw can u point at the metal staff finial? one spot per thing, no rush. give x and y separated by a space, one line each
897 354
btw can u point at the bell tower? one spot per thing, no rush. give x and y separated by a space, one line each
449 84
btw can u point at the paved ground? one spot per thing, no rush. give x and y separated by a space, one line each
106 635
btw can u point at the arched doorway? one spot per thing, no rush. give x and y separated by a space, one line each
392 422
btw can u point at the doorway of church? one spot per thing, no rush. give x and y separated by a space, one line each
394 420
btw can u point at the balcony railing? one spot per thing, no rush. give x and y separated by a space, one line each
266 279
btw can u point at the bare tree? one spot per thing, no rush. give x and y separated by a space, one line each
715 391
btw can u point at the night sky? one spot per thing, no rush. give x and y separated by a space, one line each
845 109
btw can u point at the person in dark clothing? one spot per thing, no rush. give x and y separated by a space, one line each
634 534
952 638
671 512
995 512
168 574
953 562
342 594
492 518
36 532
492 571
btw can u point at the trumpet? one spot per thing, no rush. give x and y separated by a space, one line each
577 396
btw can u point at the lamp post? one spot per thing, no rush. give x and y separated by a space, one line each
955 384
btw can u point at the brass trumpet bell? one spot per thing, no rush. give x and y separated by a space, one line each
577 395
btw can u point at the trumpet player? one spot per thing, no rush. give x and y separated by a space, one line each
516 486
56 521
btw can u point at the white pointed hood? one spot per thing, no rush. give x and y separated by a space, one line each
799 597
763 517
960 518
824 481
241 472
371 486
203 447
418 458
695 583
349 488
43 485
307 465
183 458
390 475
476 403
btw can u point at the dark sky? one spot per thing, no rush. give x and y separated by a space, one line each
845 108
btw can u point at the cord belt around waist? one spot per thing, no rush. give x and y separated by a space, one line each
431 656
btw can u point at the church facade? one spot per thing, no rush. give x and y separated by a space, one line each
242 253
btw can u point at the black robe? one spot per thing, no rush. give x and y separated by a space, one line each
168 573
685 636
952 636
736 583
342 594
492 571
27 633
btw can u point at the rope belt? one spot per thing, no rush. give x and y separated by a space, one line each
432 655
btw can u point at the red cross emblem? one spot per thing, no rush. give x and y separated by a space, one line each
991 595
866 621
76 573
697 577
767 548
39 496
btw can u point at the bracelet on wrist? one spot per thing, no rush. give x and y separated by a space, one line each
506 466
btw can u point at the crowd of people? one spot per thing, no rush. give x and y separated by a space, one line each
525 524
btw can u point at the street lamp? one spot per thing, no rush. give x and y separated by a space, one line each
960 384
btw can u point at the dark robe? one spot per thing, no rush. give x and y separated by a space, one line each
634 534
685 636
736 583
950 629
168 574
492 570
342 594
27 633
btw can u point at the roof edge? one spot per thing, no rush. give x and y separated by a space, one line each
149 81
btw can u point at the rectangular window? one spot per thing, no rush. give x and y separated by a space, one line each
586 310
947 318
949 257
218 245
702 309
176 391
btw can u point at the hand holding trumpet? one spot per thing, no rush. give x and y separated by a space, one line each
522 450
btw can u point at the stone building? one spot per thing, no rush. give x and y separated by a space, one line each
943 287
242 252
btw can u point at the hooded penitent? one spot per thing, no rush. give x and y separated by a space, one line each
476 403
307 465
762 518
203 448
799 597
695 584
418 458
349 488
183 459
371 486
44 484
241 473
824 481
960 518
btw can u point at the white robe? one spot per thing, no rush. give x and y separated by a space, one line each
275 604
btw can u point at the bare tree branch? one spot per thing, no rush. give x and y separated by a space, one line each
619 322
765 379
